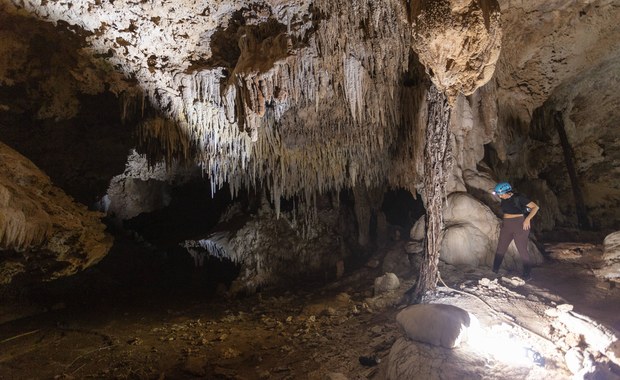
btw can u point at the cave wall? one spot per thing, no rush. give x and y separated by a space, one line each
560 56
305 98
60 107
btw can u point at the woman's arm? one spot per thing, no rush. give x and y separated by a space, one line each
533 210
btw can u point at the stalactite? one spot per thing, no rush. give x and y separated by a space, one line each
19 231
437 163
310 106
164 140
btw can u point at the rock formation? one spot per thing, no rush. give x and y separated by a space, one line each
307 98
44 234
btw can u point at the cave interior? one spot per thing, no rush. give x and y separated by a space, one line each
254 189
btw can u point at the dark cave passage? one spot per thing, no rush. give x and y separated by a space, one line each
401 208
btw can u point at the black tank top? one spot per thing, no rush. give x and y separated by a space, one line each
515 204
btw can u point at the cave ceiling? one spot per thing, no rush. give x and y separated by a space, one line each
313 96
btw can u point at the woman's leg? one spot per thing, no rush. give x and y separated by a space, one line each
505 237
521 240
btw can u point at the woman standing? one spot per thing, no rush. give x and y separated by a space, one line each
515 225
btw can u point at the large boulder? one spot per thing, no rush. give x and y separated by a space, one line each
464 244
43 232
436 324
386 283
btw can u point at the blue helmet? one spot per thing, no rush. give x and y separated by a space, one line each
502 188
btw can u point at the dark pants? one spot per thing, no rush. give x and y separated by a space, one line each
512 228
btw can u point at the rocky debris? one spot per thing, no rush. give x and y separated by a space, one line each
573 252
43 232
276 331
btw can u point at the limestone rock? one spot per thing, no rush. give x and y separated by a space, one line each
611 246
596 336
411 360
436 324
458 41
464 244
611 257
142 187
53 235
415 247
418 231
464 208
386 283
269 249
578 361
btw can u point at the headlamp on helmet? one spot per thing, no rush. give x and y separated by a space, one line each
502 188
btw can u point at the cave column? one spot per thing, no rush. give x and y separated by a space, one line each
437 165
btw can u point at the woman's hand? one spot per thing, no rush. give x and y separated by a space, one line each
533 210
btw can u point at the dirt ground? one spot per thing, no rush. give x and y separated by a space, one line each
338 330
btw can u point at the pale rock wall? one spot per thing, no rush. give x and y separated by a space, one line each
142 188
548 43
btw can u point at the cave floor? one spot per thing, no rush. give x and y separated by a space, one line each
329 331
